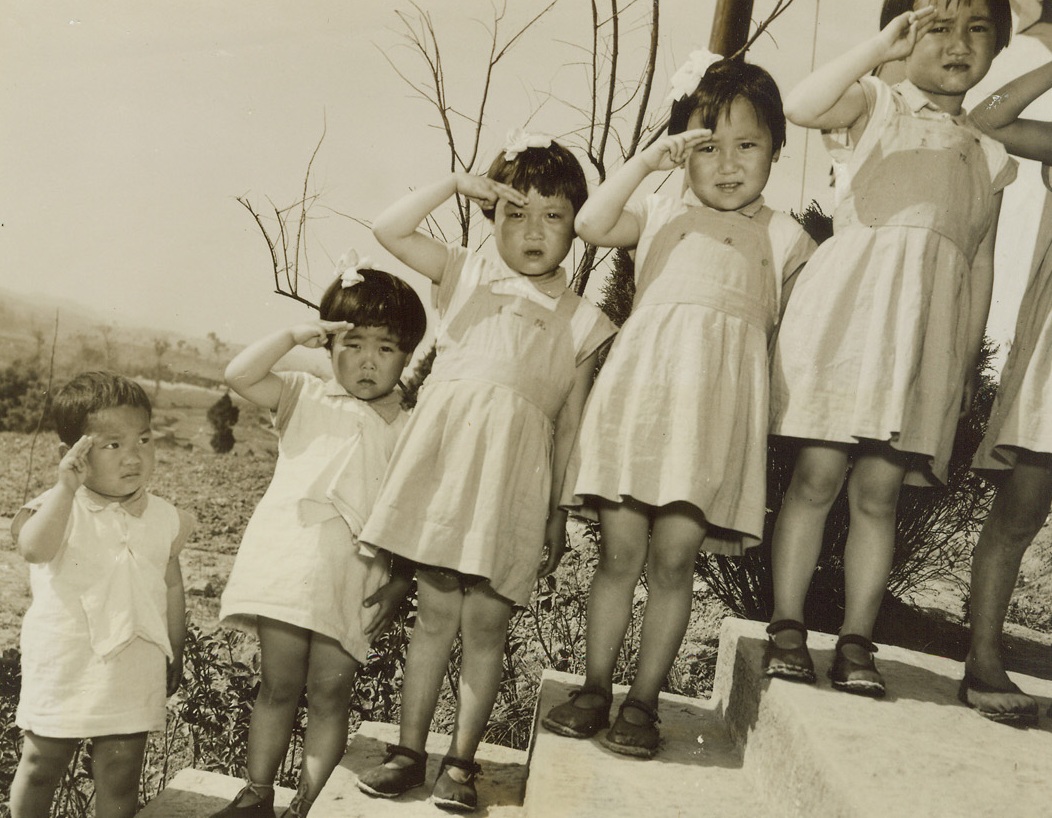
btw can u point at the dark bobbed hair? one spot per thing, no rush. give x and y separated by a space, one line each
1000 11
380 300
723 83
91 392
551 171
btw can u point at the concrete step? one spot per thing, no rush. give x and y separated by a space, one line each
814 751
197 794
698 770
500 787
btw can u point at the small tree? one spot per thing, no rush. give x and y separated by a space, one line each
223 415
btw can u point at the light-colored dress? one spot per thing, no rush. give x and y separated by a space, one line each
95 638
469 485
1021 417
679 410
874 342
299 561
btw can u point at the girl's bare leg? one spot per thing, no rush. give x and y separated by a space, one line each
40 769
483 630
873 495
679 530
439 604
330 682
797 543
116 764
625 533
1018 513
284 650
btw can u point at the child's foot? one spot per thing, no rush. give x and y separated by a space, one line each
785 656
1002 702
401 770
635 731
587 712
298 808
254 801
854 670
454 788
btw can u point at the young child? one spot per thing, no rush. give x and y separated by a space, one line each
674 441
108 611
472 492
1017 448
299 580
876 354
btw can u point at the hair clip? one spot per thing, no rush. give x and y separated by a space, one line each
519 140
348 266
685 81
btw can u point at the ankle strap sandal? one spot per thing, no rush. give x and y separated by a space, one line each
388 782
452 795
794 664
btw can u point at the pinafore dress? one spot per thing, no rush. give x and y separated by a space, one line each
1021 417
679 411
874 341
469 484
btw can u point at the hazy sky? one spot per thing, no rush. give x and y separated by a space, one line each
128 127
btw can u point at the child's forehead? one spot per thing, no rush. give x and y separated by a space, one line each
537 199
379 332
117 420
955 8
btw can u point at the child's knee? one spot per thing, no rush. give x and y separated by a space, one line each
330 693
814 484
670 573
277 689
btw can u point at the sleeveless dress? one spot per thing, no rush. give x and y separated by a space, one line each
1021 417
679 410
874 341
299 561
95 638
469 484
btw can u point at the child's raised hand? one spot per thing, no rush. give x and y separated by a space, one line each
73 467
314 334
486 192
672 151
901 34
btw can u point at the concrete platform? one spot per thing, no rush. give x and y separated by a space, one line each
501 786
197 794
698 770
758 747
814 751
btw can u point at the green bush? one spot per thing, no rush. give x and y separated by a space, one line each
23 399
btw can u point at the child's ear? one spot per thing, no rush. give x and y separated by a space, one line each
775 155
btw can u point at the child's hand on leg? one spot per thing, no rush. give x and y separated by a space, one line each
554 544
387 599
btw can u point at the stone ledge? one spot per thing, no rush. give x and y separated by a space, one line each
816 751
197 794
501 786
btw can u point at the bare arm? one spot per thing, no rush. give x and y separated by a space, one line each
40 536
602 219
250 372
998 116
396 228
566 426
982 292
176 602
830 99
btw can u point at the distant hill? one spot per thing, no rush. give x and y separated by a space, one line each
89 340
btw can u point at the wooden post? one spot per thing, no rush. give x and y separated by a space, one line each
730 26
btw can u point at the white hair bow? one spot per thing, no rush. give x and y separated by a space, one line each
348 266
519 140
686 79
